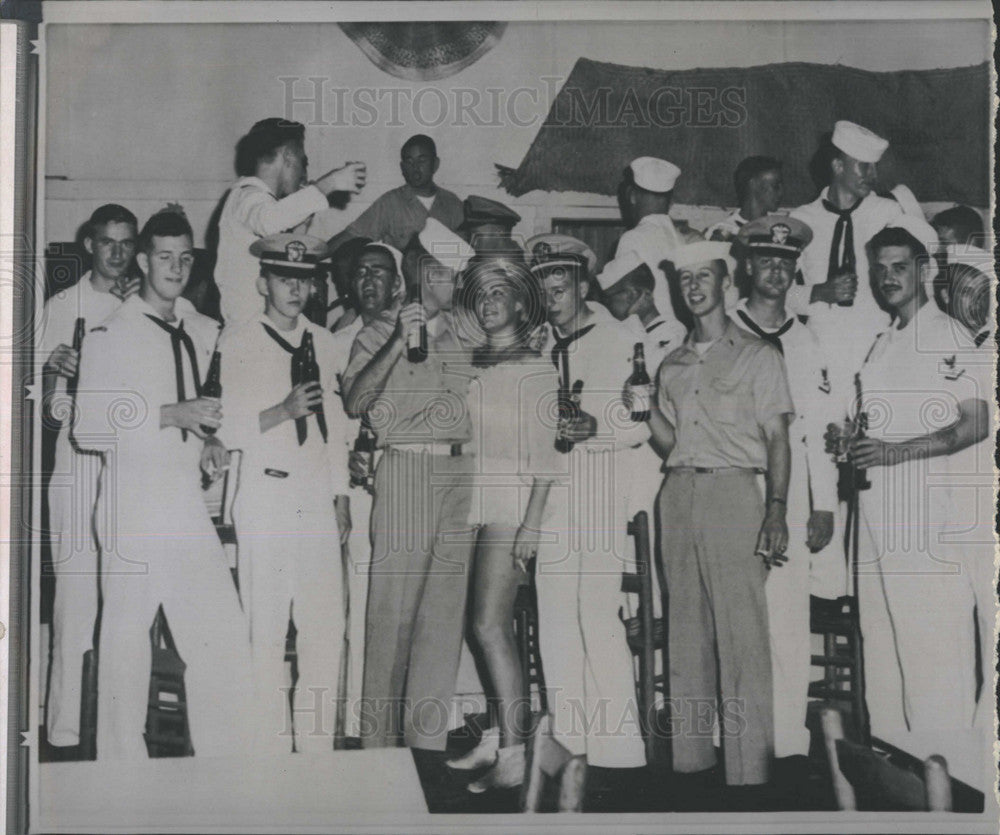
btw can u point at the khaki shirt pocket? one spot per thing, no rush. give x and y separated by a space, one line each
724 405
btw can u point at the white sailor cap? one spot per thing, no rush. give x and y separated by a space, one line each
552 249
858 142
397 256
907 201
654 174
919 228
445 246
701 252
616 269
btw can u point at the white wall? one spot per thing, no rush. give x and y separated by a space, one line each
146 114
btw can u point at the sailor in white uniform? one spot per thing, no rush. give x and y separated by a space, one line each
72 488
648 191
271 196
927 399
836 294
139 404
588 664
772 244
291 504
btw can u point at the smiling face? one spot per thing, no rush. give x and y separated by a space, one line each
771 275
703 286
497 306
897 276
373 281
166 267
112 247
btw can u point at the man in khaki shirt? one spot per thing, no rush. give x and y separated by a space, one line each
721 421
421 545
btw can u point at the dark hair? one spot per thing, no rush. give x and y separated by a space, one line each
641 278
897 236
965 221
163 225
748 169
421 140
109 213
263 142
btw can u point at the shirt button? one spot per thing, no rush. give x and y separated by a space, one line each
696 391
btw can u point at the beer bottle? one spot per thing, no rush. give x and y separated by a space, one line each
365 445
639 386
309 373
861 481
847 265
416 340
569 407
79 329
212 387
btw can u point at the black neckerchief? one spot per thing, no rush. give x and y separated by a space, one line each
178 337
843 232
774 337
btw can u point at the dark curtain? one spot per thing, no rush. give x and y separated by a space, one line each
706 121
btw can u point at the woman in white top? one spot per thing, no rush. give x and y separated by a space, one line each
512 406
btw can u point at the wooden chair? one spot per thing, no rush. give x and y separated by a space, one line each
526 635
645 634
547 758
841 660
167 733
220 499
88 707
867 779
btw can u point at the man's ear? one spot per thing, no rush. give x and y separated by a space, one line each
262 286
88 244
837 165
142 259
583 287
924 272
727 281
437 164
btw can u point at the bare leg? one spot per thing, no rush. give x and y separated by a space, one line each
496 584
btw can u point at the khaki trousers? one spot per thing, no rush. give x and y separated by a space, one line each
720 662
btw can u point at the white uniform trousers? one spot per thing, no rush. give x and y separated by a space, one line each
72 494
585 658
787 592
163 550
358 563
916 605
290 556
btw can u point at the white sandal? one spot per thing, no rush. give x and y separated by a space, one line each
484 754
506 773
